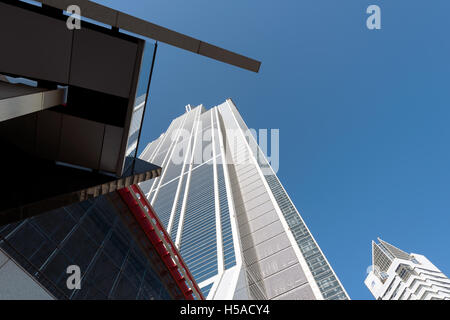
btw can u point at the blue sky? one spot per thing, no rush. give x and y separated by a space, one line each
363 115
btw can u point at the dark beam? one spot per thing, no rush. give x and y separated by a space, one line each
118 19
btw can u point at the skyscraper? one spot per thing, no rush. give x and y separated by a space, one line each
397 275
233 222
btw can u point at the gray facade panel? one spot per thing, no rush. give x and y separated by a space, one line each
272 246
300 293
261 209
247 182
284 281
244 174
266 233
260 222
256 202
16 284
278 262
254 192
242 169
3 259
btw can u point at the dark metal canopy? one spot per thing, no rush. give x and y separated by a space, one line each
120 20
66 136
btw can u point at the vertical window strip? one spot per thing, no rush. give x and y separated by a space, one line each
164 203
176 219
227 238
200 214
205 290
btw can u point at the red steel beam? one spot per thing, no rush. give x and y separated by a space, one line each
174 249
158 236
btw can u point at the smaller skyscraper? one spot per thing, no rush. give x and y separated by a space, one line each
397 275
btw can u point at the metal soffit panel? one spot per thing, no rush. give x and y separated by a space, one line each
113 73
11 90
17 100
129 23
81 141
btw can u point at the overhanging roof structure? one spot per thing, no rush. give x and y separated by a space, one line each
68 134
120 20
67 98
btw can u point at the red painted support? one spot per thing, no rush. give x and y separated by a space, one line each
168 239
156 237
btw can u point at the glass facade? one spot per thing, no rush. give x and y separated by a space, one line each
198 239
188 159
179 202
100 237
227 235
206 289
163 204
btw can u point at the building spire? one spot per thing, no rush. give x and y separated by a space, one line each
396 252
381 259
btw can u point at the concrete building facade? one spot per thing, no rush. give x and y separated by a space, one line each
397 275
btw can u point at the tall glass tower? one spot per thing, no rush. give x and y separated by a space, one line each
234 224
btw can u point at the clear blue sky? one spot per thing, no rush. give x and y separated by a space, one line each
363 115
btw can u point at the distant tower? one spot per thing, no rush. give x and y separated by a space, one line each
397 275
